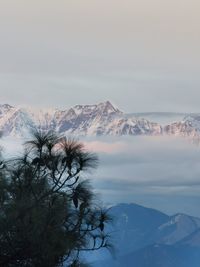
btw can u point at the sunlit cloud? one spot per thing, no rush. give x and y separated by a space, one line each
108 148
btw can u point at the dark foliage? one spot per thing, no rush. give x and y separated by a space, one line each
48 214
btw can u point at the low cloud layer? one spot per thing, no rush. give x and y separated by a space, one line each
151 171
159 172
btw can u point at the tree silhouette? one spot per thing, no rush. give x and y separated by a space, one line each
48 212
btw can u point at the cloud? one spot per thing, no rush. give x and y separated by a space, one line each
141 168
105 147
151 171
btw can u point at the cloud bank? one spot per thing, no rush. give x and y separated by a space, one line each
162 172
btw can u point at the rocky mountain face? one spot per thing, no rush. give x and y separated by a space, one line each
147 237
100 119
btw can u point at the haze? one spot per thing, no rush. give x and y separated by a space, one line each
142 55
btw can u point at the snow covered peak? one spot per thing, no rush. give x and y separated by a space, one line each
108 108
192 117
98 119
104 108
5 108
193 121
84 109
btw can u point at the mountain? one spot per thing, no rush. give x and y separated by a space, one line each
157 256
188 127
14 121
163 118
100 119
135 223
144 226
146 237
192 240
177 228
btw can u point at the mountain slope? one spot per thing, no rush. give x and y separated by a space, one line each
147 237
157 256
135 223
177 228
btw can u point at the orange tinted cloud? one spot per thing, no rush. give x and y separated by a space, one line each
104 147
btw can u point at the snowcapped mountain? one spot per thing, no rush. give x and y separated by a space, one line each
99 119
15 121
188 127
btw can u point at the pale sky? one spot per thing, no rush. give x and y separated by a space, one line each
142 55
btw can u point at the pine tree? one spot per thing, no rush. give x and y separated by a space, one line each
48 212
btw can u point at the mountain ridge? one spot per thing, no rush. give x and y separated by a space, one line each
94 120
140 240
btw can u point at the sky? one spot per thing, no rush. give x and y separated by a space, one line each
141 55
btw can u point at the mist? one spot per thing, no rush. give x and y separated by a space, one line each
158 172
